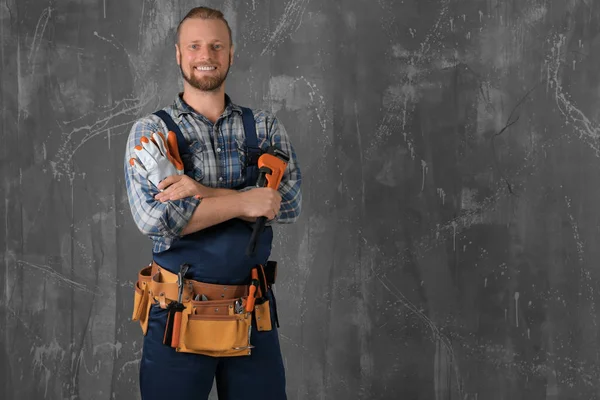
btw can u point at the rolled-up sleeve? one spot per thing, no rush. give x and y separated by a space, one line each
290 186
162 222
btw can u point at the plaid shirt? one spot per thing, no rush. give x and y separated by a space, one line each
217 159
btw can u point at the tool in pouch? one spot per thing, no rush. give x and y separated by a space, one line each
221 327
271 166
173 327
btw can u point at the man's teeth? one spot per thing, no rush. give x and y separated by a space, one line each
205 68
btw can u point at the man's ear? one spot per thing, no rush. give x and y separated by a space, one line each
177 54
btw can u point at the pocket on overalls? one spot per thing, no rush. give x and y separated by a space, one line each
262 313
141 305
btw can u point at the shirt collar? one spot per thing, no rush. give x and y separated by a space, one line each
180 107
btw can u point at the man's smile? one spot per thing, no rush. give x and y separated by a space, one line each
205 68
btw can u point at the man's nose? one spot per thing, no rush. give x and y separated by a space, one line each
205 53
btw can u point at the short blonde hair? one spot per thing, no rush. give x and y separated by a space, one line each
205 13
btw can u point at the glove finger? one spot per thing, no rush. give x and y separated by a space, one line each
160 141
144 157
138 166
175 157
151 148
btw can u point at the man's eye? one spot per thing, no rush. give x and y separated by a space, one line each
217 47
194 47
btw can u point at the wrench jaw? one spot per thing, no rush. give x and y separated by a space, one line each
239 306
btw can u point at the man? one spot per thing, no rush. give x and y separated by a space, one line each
204 217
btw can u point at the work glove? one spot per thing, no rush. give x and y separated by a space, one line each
157 157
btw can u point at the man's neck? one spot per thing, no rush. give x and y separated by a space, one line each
209 104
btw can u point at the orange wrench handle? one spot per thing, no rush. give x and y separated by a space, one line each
252 290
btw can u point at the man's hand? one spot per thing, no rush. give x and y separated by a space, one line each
176 187
260 202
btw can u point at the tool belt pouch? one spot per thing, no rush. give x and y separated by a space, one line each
213 329
262 313
141 303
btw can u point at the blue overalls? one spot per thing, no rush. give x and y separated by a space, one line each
216 255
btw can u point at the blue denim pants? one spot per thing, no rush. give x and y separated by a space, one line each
167 374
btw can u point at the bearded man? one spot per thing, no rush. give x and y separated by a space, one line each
201 216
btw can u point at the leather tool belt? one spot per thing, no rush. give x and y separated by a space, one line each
215 320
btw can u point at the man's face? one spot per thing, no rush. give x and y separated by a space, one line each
204 53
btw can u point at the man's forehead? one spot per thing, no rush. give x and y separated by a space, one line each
198 29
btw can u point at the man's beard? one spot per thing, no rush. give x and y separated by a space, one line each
206 83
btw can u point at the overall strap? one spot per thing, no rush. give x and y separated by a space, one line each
172 126
252 150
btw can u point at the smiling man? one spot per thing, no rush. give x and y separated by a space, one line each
191 40
200 220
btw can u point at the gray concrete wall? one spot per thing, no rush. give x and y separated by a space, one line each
450 151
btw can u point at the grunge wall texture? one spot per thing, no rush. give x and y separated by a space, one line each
451 158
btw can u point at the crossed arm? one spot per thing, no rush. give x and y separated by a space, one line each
185 206
219 205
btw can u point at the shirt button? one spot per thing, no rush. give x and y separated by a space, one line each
220 179
218 149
